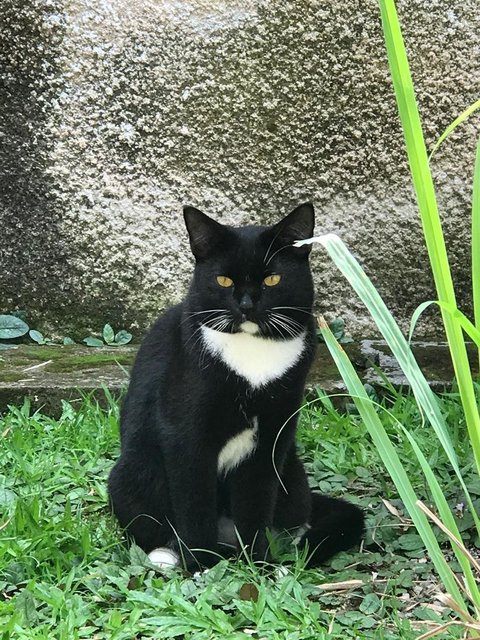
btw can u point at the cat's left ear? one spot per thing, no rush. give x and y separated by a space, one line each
298 225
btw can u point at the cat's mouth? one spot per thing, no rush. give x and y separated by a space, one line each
247 326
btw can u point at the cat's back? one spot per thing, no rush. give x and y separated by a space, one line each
158 356
160 347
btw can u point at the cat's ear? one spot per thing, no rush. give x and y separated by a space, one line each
298 225
205 233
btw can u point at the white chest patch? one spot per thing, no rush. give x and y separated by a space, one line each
238 448
259 360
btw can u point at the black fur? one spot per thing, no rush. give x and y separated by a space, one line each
184 404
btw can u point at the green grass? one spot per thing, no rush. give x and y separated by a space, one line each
65 574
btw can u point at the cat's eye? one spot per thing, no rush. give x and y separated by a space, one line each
272 280
224 281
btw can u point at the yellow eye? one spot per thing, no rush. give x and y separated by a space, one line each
272 280
224 281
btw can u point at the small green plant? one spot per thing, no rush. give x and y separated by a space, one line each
110 338
337 327
39 338
15 326
12 327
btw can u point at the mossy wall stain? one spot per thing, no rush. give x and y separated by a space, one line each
77 371
125 111
44 362
10 376
87 362
42 353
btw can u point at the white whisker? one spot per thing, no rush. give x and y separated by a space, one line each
206 323
270 245
277 251
290 321
279 325
291 326
301 309
196 313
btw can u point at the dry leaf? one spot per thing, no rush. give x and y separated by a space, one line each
393 510
340 586
249 591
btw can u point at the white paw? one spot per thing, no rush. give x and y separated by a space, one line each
163 558
300 532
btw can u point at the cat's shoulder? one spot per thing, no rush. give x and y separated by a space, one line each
164 334
170 318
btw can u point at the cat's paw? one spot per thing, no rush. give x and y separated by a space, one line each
164 558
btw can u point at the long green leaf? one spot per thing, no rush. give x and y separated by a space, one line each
441 503
469 328
399 346
476 240
452 126
425 192
446 516
391 460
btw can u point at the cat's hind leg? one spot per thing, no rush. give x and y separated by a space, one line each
139 498
335 525
294 503
327 525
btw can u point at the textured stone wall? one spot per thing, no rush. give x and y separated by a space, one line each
116 113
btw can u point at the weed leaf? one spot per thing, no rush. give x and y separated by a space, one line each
90 341
123 337
108 334
36 336
370 604
138 557
12 327
7 497
27 609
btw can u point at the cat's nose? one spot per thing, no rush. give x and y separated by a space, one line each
246 303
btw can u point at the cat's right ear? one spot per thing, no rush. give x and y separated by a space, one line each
205 234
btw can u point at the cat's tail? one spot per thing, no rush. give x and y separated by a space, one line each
335 525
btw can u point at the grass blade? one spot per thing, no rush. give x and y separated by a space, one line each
455 538
449 525
447 519
391 460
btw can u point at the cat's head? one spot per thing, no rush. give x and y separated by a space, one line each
251 278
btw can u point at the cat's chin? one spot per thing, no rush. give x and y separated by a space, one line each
249 327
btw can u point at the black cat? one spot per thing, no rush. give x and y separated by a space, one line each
208 424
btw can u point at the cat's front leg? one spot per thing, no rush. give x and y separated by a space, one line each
253 494
255 484
193 489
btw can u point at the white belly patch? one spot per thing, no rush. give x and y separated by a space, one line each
259 360
238 448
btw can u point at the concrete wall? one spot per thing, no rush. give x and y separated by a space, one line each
115 113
